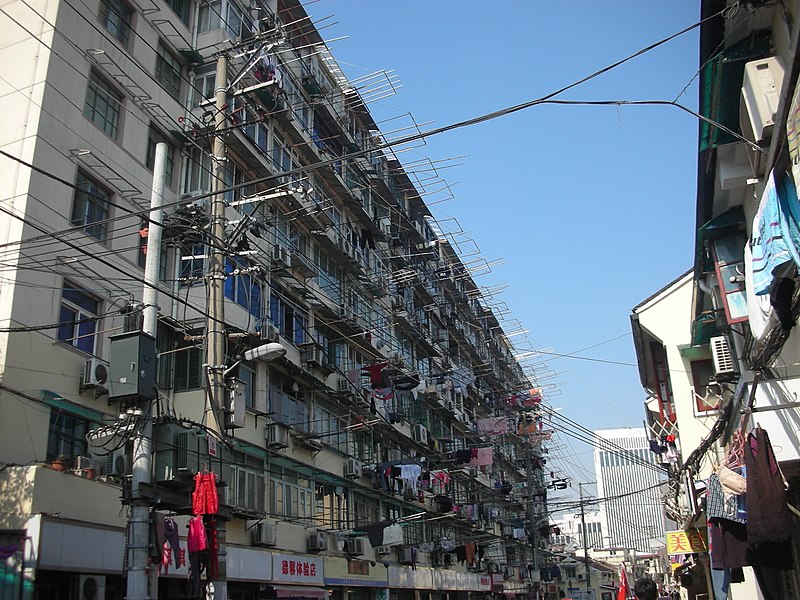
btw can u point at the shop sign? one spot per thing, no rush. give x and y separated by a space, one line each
687 541
484 583
354 572
292 568
406 577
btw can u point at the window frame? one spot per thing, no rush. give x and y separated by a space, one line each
107 119
80 330
168 71
181 8
95 201
75 440
154 136
188 364
123 27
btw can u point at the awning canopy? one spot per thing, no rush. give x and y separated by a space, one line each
296 591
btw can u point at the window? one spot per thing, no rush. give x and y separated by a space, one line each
154 137
193 264
204 82
188 361
288 409
103 106
247 487
168 72
180 8
90 207
116 16
67 435
290 321
290 495
198 172
142 251
78 318
243 288
167 341
702 373
210 16
248 378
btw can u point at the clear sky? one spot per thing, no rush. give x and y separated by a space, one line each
589 209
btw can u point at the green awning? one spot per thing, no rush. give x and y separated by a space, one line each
719 225
704 328
692 352
722 83
58 401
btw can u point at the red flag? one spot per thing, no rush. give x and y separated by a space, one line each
624 590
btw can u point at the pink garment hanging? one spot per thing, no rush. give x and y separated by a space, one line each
196 541
204 498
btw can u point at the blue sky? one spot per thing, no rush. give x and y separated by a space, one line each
590 209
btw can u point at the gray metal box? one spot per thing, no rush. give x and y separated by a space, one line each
132 367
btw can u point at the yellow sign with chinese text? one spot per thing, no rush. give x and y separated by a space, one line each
686 542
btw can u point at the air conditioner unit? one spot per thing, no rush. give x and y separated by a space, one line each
508 571
95 374
345 246
270 333
419 434
343 385
405 555
355 546
313 356
264 534
352 468
276 435
115 464
724 367
92 587
317 541
383 550
437 560
761 91
581 576
281 256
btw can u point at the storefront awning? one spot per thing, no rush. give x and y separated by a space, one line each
296 591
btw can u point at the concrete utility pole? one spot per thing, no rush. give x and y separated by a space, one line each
531 511
584 537
139 520
215 321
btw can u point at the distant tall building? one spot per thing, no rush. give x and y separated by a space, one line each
631 509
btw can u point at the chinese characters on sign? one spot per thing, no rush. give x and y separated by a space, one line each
686 542
301 568
291 568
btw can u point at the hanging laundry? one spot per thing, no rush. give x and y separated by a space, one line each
204 498
770 248
493 425
393 535
374 372
768 517
483 458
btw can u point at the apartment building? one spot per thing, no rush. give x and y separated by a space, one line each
388 450
717 347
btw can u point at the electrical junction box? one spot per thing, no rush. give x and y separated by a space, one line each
132 367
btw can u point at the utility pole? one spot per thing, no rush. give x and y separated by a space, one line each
584 536
531 511
139 520
215 321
